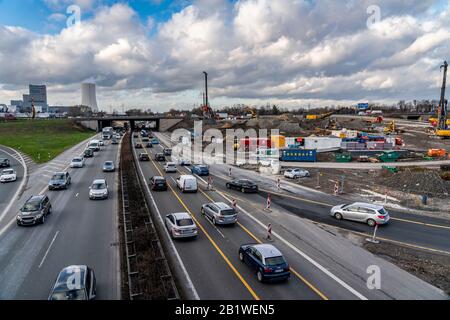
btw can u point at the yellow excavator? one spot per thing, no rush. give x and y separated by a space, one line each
390 128
252 111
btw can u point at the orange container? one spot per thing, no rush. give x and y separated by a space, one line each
436 152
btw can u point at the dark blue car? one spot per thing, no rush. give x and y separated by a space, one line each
266 260
200 170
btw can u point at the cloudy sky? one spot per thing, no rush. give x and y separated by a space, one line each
151 53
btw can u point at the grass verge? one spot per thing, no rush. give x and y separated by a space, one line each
42 139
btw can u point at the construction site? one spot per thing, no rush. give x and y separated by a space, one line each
367 153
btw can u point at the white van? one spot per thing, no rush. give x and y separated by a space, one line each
187 183
94 145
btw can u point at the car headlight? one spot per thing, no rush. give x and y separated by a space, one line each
39 216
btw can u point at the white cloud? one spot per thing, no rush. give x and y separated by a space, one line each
289 51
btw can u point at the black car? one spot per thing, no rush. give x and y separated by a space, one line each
160 157
167 152
88 153
144 157
4 163
242 185
158 183
34 211
149 145
138 146
60 180
74 283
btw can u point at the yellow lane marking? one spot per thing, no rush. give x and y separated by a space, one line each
422 223
405 244
298 275
236 272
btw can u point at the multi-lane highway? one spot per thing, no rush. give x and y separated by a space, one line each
79 231
422 232
216 272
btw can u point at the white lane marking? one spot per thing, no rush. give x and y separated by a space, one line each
172 245
22 184
212 224
301 253
76 196
48 249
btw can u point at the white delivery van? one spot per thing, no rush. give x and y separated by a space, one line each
187 183
94 145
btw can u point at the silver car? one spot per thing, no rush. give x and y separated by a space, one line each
369 213
219 213
98 190
181 225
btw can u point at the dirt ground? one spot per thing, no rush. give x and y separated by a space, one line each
430 267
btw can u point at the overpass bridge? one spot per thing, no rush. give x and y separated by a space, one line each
158 123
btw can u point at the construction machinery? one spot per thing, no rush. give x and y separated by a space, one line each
208 112
442 129
390 128
251 111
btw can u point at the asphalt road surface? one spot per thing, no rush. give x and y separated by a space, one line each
309 279
212 260
8 190
79 231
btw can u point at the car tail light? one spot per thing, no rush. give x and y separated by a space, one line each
380 217
267 270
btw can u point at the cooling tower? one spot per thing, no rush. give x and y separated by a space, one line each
88 97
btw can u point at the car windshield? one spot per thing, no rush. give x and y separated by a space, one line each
59 176
98 186
31 206
76 160
275 261
160 181
8 171
383 211
247 182
171 164
108 163
69 295
185 222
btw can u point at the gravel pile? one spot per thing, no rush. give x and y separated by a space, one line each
426 182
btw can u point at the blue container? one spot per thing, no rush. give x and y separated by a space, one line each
298 155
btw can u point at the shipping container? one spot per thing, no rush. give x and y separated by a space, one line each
252 144
322 144
298 155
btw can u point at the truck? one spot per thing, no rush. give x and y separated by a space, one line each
298 155
107 133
